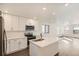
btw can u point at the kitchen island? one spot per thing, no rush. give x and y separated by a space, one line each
43 48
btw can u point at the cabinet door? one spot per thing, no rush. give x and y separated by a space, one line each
14 23
21 24
18 44
23 43
8 47
7 22
12 45
16 47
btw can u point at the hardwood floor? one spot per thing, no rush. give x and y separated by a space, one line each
24 52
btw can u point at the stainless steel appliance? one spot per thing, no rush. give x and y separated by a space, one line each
29 33
2 43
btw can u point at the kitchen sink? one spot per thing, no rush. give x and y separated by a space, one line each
38 40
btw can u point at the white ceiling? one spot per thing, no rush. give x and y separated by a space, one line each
31 10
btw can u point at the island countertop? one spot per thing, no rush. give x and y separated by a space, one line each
43 43
46 47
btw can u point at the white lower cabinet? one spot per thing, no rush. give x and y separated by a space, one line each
43 50
14 45
23 44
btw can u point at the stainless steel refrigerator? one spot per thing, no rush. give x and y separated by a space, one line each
2 45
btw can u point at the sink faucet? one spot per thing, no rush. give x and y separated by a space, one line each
41 36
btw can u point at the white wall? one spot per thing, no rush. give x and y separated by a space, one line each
52 27
67 18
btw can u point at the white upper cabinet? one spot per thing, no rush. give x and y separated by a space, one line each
22 23
15 23
7 22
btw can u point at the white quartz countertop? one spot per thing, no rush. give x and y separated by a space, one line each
43 43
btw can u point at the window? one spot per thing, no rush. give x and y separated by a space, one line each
45 29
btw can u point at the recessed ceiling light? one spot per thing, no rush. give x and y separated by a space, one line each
44 8
66 4
53 13
6 11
